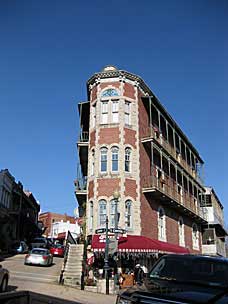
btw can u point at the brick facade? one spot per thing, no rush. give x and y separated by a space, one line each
101 185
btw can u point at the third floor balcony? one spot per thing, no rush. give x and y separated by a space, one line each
168 191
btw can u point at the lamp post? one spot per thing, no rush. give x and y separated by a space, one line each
116 196
106 265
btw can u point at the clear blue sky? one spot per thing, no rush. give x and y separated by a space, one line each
48 50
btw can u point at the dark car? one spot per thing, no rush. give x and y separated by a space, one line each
40 243
182 279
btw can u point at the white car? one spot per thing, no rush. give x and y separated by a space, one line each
4 279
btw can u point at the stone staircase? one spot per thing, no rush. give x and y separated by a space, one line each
72 268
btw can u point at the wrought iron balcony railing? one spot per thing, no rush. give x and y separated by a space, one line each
174 192
83 137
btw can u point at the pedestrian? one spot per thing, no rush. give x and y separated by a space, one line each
138 274
126 280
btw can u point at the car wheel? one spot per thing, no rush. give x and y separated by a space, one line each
4 285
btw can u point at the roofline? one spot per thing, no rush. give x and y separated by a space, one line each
175 126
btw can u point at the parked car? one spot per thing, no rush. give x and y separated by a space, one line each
182 279
4 279
40 243
57 250
39 256
20 247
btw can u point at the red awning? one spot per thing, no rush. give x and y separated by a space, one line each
137 243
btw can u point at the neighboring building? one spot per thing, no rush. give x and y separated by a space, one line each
214 233
18 212
129 143
49 218
60 229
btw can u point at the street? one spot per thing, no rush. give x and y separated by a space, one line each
44 280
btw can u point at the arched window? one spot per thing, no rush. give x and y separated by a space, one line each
115 159
127 160
91 216
109 92
181 232
93 115
104 152
161 224
128 214
113 213
195 236
102 213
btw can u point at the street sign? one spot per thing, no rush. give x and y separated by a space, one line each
100 230
113 246
117 230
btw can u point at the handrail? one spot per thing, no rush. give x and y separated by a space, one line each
169 187
83 136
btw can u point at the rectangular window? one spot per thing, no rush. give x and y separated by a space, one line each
104 112
127 113
115 111
91 216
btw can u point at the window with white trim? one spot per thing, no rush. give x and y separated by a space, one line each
102 213
128 214
91 216
115 111
127 113
181 232
104 112
161 224
104 152
195 236
127 159
115 159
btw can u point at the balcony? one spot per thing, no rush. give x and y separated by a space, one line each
83 139
83 145
81 190
152 133
169 192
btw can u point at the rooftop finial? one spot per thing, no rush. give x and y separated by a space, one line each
109 68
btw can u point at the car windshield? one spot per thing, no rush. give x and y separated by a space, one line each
38 241
58 246
39 251
207 271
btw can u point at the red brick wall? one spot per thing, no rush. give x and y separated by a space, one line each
143 118
130 188
106 186
113 84
109 136
90 190
130 137
48 217
149 222
129 90
92 139
93 93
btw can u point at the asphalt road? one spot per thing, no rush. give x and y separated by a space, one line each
18 270
44 280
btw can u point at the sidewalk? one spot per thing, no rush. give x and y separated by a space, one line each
63 292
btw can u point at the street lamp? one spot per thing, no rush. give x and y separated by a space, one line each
106 265
116 196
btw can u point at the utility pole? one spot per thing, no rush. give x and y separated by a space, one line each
106 265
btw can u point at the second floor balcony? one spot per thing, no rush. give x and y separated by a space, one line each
170 192
81 189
